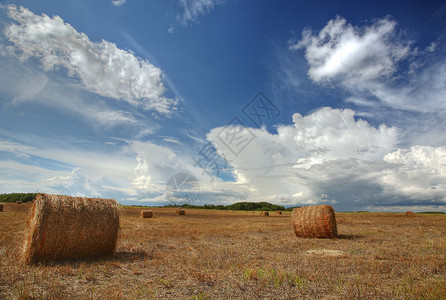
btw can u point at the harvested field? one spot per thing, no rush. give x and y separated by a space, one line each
216 255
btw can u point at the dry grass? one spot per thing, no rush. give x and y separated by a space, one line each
216 255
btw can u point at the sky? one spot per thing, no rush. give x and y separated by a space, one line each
291 102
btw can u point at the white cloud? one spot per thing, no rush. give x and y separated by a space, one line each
75 184
15 148
193 9
341 51
102 68
383 74
418 174
425 94
170 139
156 164
118 2
26 84
328 156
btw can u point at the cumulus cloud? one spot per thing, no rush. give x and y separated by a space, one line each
193 9
324 134
102 68
156 164
327 156
417 174
74 183
343 51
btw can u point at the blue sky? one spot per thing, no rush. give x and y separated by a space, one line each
294 103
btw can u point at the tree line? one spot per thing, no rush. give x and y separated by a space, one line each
256 206
14 197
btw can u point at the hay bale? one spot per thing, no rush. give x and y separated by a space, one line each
314 221
264 214
1 206
146 214
410 214
181 212
278 212
64 227
19 202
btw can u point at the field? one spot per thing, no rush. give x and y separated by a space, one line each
239 255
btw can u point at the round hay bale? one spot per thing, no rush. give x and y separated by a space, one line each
314 221
278 212
264 214
1 206
146 214
181 212
64 227
410 214
19 202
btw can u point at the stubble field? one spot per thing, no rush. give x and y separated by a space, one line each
239 255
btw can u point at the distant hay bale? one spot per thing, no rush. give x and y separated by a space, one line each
410 214
181 212
64 227
252 211
314 221
1 206
19 202
146 214
278 212
264 214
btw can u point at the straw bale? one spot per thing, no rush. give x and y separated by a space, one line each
410 214
314 221
19 202
264 214
181 212
146 214
278 212
1 206
64 227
